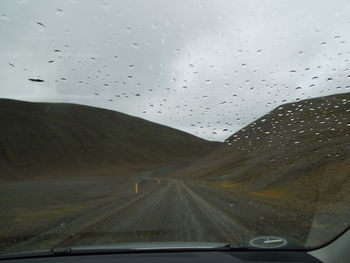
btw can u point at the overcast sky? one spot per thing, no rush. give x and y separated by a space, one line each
205 67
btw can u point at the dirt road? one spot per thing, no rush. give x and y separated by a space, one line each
172 210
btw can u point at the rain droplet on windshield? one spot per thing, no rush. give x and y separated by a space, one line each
135 45
59 11
155 26
37 80
42 26
105 6
5 18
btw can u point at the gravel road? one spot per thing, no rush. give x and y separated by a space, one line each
172 210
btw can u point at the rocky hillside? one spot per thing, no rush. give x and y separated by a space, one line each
298 150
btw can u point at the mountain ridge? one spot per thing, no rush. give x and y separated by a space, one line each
294 150
70 135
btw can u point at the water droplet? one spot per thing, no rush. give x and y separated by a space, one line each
42 26
128 30
5 18
59 11
155 26
37 80
163 40
105 6
135 45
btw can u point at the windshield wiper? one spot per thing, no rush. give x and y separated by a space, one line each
136 248
62 252
68 251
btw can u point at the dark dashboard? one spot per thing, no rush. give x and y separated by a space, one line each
178 257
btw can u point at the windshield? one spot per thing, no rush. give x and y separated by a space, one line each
182 121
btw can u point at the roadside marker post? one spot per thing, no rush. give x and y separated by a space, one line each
136 188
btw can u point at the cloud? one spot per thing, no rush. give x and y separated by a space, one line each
205 67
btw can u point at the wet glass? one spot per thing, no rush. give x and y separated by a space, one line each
162 121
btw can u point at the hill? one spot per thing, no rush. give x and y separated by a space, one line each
48 138
298 151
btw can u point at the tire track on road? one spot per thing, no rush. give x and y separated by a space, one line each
171 211
225 226
56 236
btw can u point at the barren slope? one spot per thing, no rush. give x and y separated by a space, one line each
40 137
298 151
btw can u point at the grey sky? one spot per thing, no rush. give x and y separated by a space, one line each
205 67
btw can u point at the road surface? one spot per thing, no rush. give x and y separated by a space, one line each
173 210
170 211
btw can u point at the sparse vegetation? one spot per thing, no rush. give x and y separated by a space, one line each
298 154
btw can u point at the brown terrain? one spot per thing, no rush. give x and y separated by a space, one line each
60 140
298 153
68 175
